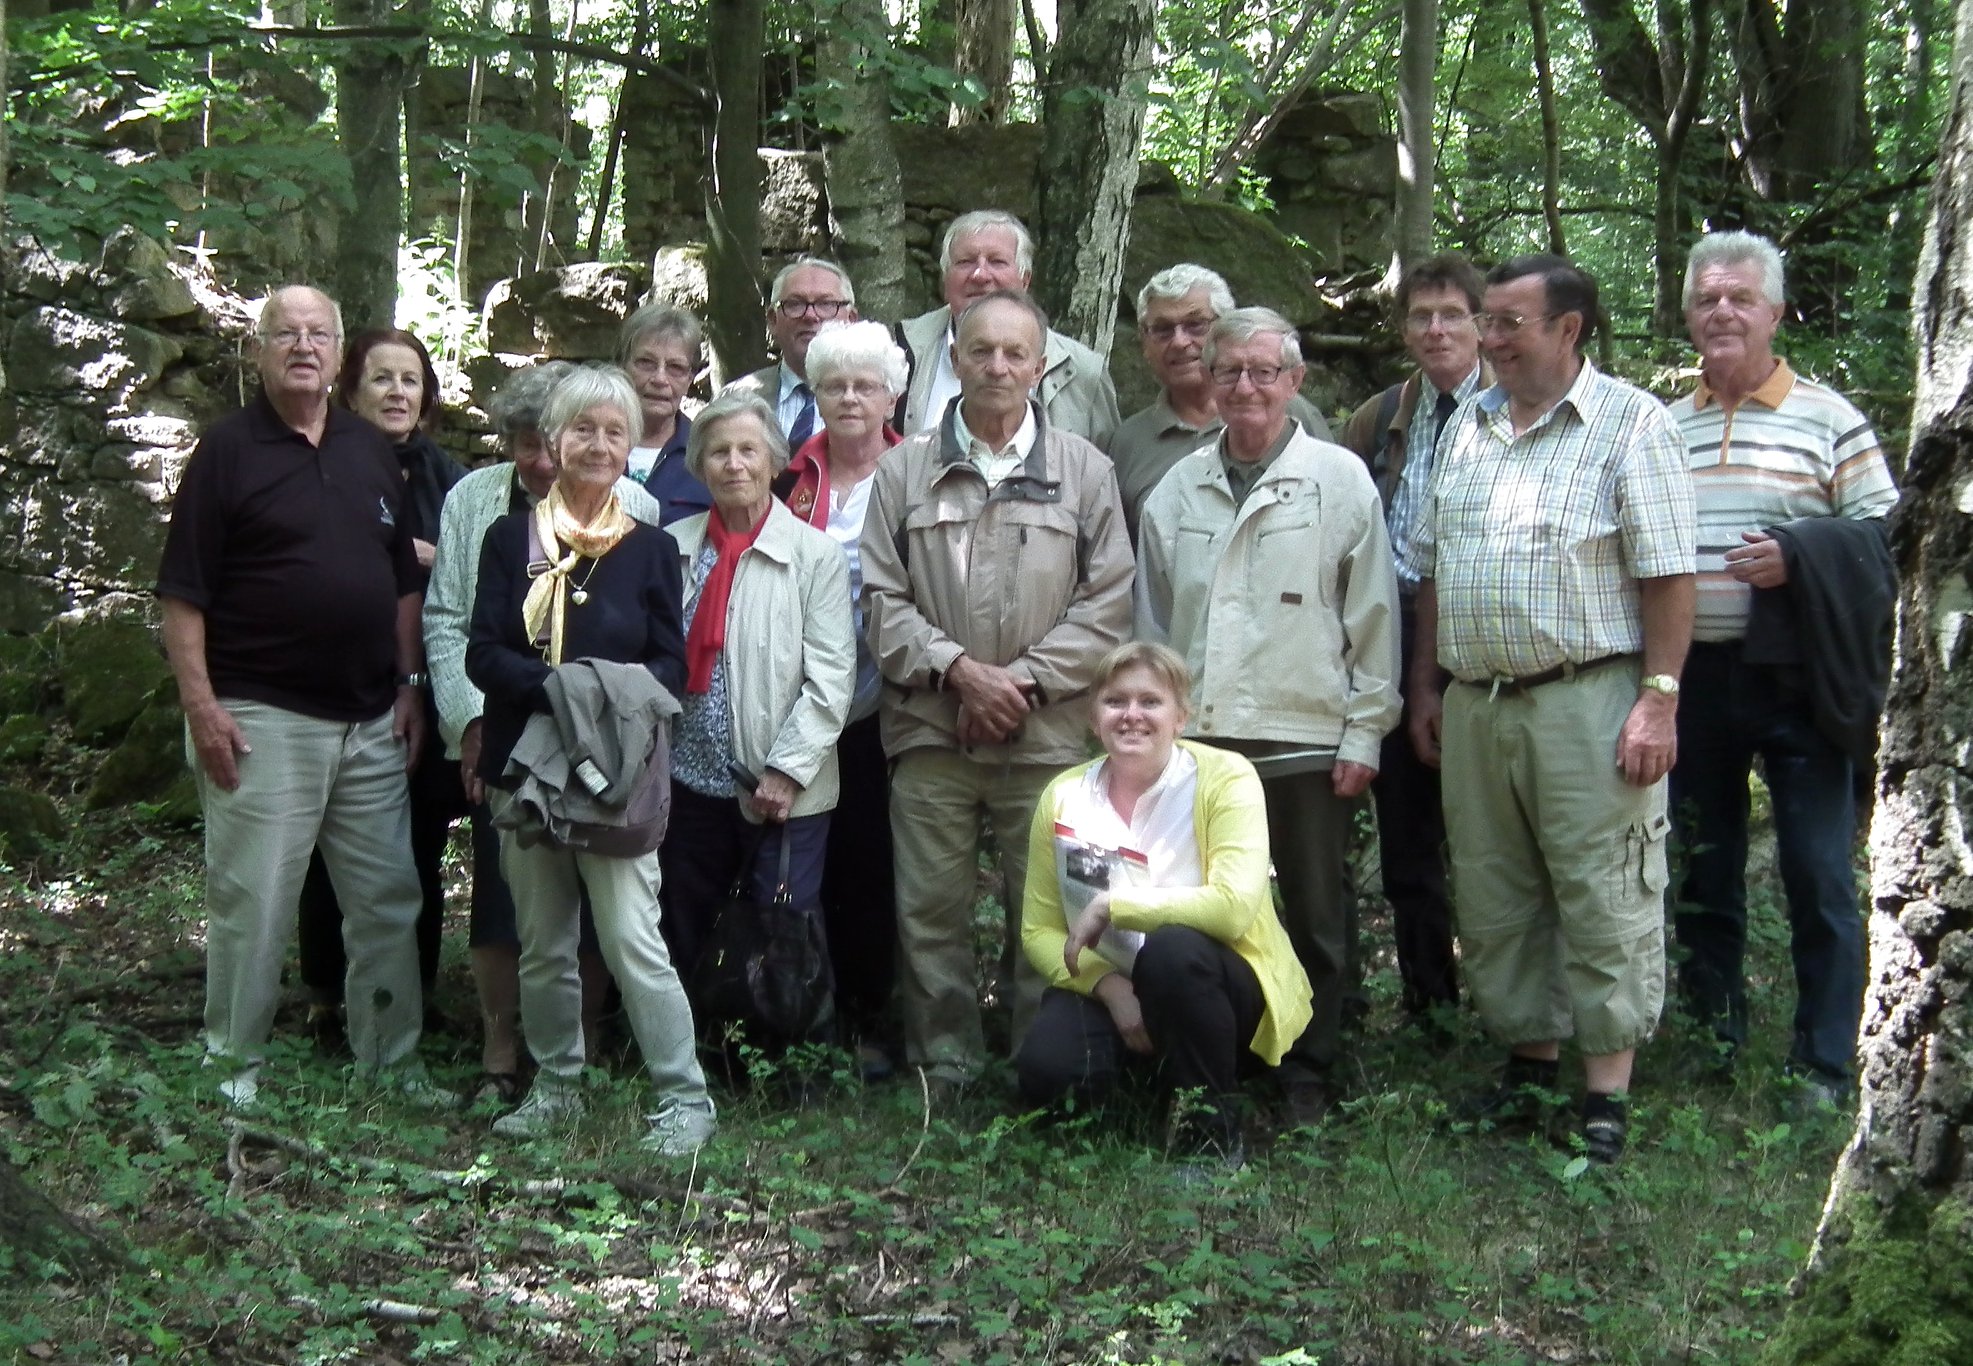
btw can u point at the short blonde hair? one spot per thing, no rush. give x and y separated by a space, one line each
1160 661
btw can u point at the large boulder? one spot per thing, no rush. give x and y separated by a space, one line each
108 669
149 765
1260 265
61 351
794 216
29 822
571 312
27 673
143 285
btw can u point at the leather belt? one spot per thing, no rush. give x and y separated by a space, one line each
1554 675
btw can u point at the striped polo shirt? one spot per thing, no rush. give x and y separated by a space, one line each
1792 448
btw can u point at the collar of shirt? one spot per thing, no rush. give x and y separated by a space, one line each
1250 471
1493 403
995 465
1428 393
1169 421
1769 393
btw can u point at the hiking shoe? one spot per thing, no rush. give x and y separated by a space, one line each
680 1130
547 1107
1605 1127
422 1092
1306 1102
1210 1167
242 1090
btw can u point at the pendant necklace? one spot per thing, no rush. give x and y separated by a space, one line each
579 593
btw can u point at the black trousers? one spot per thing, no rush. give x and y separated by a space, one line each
1411 845
859 884
1201 1005
437 799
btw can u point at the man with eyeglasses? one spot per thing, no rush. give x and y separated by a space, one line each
660 347
1554 553
1175 310
1395 433
982 252
1792 492
1263 559
805 294
292 600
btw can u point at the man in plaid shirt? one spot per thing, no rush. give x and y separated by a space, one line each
1555 557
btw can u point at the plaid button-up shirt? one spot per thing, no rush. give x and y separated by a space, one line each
1536 541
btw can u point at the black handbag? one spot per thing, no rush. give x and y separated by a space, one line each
765 964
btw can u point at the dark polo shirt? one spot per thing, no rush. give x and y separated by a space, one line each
297 555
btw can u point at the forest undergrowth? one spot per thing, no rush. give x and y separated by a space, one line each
833 1221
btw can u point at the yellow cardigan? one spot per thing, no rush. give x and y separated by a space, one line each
1229 821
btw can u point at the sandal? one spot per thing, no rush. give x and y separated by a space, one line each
504 1087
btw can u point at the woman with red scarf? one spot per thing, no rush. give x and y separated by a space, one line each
858 371
770 663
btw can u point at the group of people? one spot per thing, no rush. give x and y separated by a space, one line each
884 592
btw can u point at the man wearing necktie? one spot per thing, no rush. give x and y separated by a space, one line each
1396 433
806 294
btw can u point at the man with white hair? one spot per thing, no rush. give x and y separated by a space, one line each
806 293
984 251
1788 475
1175 310
1263 559
291 597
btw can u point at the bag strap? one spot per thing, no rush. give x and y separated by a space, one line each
781 891
738 892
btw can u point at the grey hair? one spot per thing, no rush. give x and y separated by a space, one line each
1732 248
810 263
841 347
978 219
263 327
666 321
1175 282
586 387
517 408
1244 324
1019 298
729 405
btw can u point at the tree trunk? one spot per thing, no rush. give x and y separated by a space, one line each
1887 1280
1801 92
983 48
738 29
640 34
31 1223
1551 130
371 79
866 198
1092 109
1418 58
3 122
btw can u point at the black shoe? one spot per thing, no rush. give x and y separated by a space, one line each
1519 1101
1605 1127
1305 1102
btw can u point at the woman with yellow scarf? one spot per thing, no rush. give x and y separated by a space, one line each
576 578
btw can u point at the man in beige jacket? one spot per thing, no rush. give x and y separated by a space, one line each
1265 562
997 575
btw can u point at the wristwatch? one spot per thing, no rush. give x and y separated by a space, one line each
417 680
1664 683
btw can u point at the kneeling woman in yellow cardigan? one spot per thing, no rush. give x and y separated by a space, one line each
1147 910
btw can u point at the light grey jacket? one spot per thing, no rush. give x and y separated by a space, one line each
474 504
579 762
1075 390
790 652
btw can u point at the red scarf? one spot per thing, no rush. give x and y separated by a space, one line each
808 499
708 634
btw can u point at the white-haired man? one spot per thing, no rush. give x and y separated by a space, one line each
291 597
1175 310
1263 559
1792 491
806 293
984 251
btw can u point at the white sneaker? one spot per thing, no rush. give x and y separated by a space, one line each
424 1093
548 1106
242 1089
680 1130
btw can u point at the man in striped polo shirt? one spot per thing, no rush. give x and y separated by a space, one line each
1767 448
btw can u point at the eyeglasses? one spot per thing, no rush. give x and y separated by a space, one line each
821 308
1421 319
1261 375
314 338
1507 324
1193 329
851 388
648 367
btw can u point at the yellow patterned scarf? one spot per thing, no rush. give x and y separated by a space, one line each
545 609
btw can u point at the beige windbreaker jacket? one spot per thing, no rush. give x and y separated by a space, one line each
1075 390
790 652
1034 576
1286 611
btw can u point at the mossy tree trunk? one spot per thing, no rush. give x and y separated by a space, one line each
865 194
371 78
734 329
1887 1283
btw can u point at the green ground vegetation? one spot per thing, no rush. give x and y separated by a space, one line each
834 1222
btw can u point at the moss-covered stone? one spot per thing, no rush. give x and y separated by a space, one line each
23 738
29 823
1894 1292
108 669
149 765
27 673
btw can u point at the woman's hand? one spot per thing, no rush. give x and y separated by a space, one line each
774 798
469 762
1089 927
1116 992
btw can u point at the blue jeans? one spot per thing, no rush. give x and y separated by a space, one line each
1729 712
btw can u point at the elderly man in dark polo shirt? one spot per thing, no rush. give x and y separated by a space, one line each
291 597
